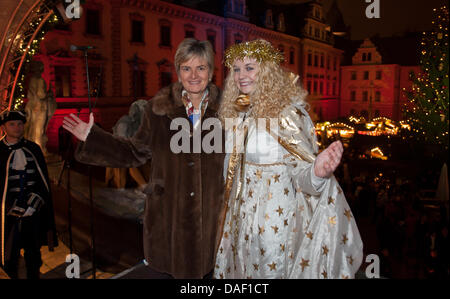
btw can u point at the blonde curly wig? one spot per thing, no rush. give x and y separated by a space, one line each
274 91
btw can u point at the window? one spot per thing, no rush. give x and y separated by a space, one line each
328 62
316 60
309 59
321 87
353 75
93 21
138 76
369 56
317 32
165 33
377 96
239 7
137 31
315 87
334 63
364 57
308 86
327 92
238 38
353 96
166 79
334 88
291 56
140 83
322 62
365 96
281 27
269 19
366 75
189 31
310 31
63 81
378 75
211 37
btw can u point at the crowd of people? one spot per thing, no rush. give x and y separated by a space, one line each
411 230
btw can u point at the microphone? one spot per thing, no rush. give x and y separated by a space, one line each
73 48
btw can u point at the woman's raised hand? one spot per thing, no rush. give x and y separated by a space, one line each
328 160
77 127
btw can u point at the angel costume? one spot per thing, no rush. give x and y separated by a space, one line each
281 220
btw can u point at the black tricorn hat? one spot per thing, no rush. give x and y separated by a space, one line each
12 115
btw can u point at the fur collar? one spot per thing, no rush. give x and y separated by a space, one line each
169 98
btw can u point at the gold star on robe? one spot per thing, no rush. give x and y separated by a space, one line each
282 246
229 270
221 249
269 196
272 266
332 220
262 251
248 181
268 182
344 238
276 178
286 191
285 222
304 264
267 217
258 174
348 214
246 238
275 229
325 250
350 260
325 274
279 211
291 256
221 275
250 193
330 200
261 230
256 267
344 276
309 235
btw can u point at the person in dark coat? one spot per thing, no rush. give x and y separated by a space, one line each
185 191
27 218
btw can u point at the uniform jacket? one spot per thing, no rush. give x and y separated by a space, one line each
185 191
47 233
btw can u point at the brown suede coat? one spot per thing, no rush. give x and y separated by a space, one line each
185 192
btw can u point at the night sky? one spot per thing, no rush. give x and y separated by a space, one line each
397 16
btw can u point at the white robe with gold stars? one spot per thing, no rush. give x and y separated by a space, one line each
286 223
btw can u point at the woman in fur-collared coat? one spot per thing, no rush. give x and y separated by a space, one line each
185 191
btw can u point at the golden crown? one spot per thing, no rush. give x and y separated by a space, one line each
259 49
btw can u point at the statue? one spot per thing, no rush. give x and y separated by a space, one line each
40 107
127 126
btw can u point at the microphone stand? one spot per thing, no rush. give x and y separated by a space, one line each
91 202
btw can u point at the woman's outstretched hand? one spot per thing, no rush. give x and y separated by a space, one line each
77 127
328 160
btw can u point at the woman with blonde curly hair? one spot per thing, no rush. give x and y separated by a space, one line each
286 214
